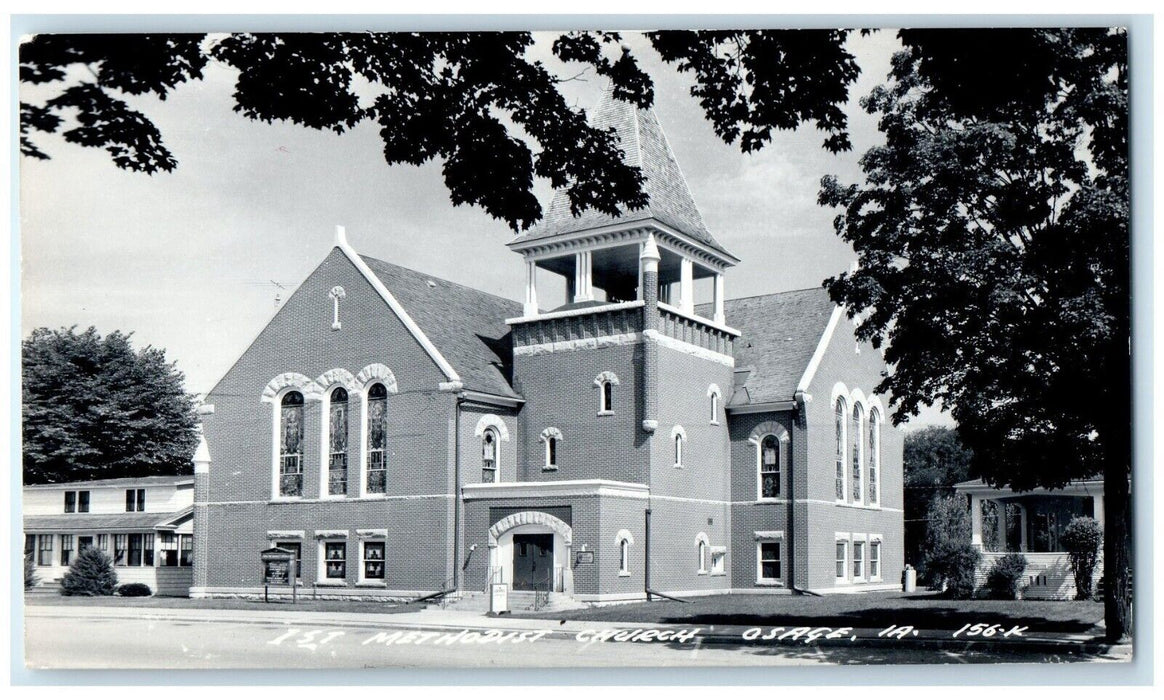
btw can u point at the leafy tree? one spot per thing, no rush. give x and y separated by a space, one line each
950 559
91 574
934 460
992 236
1082 539
30 577
95 408
443 95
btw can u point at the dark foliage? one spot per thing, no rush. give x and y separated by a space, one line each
90 574
95 408
30 577
134 590
950 559
1082 538
934 461
1004 580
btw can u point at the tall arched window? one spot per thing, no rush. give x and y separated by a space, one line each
337 450
701 555
856 442
291 445
874 455
839 427
377 478
623 556
489 456
769 467
714 408
678 450
606 381
607 396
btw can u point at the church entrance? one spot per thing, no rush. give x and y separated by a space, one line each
533 562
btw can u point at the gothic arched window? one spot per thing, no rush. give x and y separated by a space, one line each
291 445
377 478
337 450
856 441
839 428
769 467
489 456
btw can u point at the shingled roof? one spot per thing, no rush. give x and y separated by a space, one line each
644 146
106 522
467 326
780 333
137 481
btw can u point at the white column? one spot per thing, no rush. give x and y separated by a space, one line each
718 317
583 290
976 520
1097 509
531 289
686 286
640 294
1022 528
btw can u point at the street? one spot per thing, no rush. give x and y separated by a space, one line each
93 638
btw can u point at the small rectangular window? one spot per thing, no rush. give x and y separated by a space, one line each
841 561
374 561
717 561
66 549
130 500
44 550
29 545
135 550
335 560
875 560
770 569
120 550
70 501
858 560
82 501
186 550
167 549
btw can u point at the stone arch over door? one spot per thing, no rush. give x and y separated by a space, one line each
530 522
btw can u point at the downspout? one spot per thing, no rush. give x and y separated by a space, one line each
800 415
457 496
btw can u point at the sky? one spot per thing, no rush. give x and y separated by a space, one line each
192 261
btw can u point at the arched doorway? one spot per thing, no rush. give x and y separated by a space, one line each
531 550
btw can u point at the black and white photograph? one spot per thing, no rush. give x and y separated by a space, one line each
380 345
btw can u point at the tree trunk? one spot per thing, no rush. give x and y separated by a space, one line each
1117 541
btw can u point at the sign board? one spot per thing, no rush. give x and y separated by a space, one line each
277 573
584 558
498 598
278 570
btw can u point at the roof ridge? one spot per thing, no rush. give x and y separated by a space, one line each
442 279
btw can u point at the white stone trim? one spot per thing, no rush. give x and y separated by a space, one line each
286 535
272 393
330 534
376 372
667 341
372 534
605 341
556 489
394 305
624 534
818 354
336 377
490 420
570 313
690 315
530 517
768 535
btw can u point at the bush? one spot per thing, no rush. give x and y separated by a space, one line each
1005 578
1082 538
30 577
950 560
91 573
134 590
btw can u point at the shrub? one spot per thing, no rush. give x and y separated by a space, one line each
134 590
1082 538
91 573
1005 578
30 577
950 560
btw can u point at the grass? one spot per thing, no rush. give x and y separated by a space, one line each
305 604
926 610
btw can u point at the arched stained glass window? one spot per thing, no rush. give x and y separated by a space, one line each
856 442
489 456
337 453
377 478
769 467
291 445
839 427
874 456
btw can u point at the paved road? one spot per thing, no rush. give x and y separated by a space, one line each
87 638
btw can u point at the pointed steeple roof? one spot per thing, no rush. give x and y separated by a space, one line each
645 146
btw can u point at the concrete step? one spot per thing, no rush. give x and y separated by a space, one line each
519 601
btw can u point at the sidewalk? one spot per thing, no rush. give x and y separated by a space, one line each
434 619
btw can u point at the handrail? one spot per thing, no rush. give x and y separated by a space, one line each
668 597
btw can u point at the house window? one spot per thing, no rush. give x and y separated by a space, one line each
856 440
335 556
82 501
623 557
337 460
44 550
551 437
858 561
186 550
167 549
769 561
297 548
70 501
489 456
839 427
134 500
769 467
141 550
842 560
103 543
291 445
120 547
377 481
373 561
875 560
874 456
66 549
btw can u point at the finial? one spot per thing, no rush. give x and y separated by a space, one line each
650 250
341 238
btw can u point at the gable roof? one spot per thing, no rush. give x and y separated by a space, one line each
134 481
780 335
107 522
467 326
644 146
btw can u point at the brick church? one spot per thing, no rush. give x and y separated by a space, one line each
404 435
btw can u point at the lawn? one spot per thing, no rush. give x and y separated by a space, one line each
927 611
305 603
